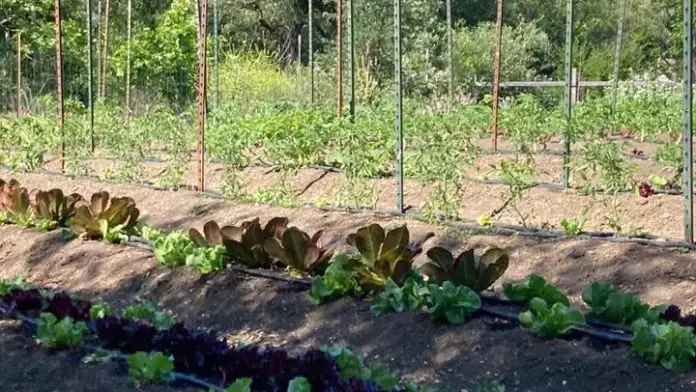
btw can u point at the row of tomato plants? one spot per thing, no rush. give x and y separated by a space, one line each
157 345
379 265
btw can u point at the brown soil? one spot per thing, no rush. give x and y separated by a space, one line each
26 367
257 310
660 215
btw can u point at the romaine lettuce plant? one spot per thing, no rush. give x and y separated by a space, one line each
452 303
547 322
534 287
65 333
399 299
607 304
153 368
245 244
476 273
54 206
147 311
300 252
670 345
336 282
102 215
171 250
384 255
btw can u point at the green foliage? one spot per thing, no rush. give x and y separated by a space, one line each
670 345
336 282
573 226
351 365
534 287
99 310
547 322
153 368
173 249
607 304
7 285
240 385
451 303
62 334
206 260
299 384
399 299
147 311
476 273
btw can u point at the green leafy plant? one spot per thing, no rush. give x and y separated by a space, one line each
476 273
65 333
240 385
384 255
206 260
99 310
399 299
153 368
534 287
572 226
352 365
102 215
670 345
147 311
245 244
300 252
452 303
547 322
173 249
607 304
336 282
54 206
7 285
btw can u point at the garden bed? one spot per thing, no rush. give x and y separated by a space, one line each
257 310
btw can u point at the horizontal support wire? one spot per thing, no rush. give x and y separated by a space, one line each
463 224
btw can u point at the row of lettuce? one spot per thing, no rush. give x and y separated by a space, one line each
372 263
157 345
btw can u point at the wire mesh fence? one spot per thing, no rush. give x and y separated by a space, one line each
452 102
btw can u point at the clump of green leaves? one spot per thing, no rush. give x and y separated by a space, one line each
399 299
173 249
147 311
99 310
7 285
336 282
534 287
65 333
153 368
574 226
547 322
452 303
351 365
609 305
670 345
206 260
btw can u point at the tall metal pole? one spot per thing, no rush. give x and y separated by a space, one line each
339 57
496 71
59 79
310 27
688 129
398 100
202 75
617 62
216 60
129 29
569 91
19 73
351 40
105 51
450 57
98 45
90 81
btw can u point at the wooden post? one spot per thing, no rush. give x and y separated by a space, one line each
496 71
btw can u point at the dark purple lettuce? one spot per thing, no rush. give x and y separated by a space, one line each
128 336
194 351
62 306
25 301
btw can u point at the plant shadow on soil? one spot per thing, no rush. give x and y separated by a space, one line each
255 310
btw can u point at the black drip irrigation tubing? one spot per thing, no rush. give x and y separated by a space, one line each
116 354
464 224
489 298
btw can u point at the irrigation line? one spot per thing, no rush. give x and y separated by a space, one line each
114 354
464 224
